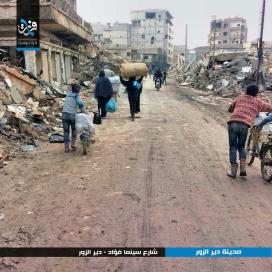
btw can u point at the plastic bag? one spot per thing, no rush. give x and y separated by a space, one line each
111 106
115 80
84 123
137 85
97 120
259 118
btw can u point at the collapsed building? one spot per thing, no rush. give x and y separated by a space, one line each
63 36
33 84
225 74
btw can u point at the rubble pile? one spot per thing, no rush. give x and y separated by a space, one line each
225 78
30 110
90 67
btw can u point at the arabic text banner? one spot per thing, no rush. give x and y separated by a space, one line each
139 252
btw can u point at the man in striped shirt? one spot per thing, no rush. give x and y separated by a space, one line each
243 111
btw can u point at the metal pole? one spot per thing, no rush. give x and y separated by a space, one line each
214 39
186 46
260 46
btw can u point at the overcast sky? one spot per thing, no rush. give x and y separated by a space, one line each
196 13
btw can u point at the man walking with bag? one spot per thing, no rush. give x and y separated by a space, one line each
103 92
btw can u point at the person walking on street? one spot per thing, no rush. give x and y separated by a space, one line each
243 110
164 77
133 89
158 75
103 92
72 102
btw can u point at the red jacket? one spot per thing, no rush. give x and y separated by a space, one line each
246 107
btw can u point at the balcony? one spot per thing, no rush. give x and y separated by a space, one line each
52 19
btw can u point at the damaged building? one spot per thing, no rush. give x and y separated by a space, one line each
63 35
228 33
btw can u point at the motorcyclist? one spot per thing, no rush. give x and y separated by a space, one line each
158 75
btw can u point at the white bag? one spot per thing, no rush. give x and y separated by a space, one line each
84 122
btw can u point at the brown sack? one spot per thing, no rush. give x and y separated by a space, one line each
133 70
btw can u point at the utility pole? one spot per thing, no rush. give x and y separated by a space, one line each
186 46
260 45
214 39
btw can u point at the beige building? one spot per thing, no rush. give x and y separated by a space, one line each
152 37
228 33
115 38
63 34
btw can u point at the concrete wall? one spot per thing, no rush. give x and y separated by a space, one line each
56 63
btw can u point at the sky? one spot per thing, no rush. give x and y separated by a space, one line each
196 13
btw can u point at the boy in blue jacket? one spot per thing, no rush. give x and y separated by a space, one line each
72 102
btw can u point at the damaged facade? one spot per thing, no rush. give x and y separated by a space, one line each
115 38
63 35
147 39
228 33
152 36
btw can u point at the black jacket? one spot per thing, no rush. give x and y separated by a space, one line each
103 87
132 91
158 74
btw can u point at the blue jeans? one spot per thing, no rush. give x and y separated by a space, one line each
237 140
69 121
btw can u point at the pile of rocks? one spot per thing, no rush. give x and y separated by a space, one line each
30 110
90 67
225 78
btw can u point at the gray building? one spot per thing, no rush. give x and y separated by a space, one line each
228 33
117 39
98 33
114 37
151 37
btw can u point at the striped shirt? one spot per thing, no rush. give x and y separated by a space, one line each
246 108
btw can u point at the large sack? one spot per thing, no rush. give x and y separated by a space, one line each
84 122
133 70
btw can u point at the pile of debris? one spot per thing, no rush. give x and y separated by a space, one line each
226 78
30 110
105 60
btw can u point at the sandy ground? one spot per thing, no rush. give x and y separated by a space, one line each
157 182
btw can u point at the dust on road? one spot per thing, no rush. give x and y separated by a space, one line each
157 182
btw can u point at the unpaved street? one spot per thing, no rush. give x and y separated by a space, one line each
157 182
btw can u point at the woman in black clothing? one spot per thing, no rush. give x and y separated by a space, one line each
103 92
133 93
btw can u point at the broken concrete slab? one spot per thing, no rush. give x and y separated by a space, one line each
15 95
2 107
16 79
37 93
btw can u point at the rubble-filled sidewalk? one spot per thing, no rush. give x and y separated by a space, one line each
30 108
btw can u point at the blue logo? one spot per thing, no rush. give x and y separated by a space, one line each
28 28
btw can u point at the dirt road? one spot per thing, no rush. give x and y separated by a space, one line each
159 181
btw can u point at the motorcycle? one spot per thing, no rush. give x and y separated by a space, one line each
157 83
259 145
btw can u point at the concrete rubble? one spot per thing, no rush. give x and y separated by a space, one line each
90 67
226 78
31 108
